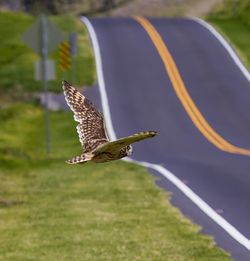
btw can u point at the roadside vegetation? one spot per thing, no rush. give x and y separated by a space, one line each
52 211
17 60
232 18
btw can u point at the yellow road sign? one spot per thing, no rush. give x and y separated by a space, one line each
65 59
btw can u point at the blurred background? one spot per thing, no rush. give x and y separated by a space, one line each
17 59
49 211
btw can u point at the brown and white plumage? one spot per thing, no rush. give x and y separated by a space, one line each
92 133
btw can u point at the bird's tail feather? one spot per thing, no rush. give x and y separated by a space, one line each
78 159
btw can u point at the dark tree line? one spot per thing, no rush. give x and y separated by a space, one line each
63 6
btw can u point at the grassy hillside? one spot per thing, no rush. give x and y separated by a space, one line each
53 211
16 59
232 19
237 8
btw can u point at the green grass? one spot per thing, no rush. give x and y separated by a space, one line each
53 211
16 59
232 20
237 33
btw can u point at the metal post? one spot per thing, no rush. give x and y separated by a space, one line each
44 53
73 53
73 69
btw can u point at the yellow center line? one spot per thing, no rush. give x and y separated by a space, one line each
182 93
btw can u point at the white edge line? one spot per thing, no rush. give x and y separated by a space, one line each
100 78
201 204
225 44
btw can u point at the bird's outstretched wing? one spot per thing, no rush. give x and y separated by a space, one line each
117 145
91 129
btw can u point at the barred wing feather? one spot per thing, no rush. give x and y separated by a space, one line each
91 129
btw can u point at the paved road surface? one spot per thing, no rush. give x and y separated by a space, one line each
141 96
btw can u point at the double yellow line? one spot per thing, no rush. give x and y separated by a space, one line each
182 93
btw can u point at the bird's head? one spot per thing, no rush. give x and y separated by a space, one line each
129 150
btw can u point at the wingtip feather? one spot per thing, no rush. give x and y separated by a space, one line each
153 133
68 162
149 133
65 84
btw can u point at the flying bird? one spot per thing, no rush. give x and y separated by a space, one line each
92 133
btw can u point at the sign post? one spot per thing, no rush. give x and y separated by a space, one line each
73 52
44 53
43 37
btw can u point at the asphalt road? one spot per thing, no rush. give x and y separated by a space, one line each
141 97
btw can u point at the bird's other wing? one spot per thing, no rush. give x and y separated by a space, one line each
117 145
91 129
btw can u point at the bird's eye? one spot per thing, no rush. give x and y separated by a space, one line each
129 149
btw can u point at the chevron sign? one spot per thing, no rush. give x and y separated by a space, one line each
65 58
